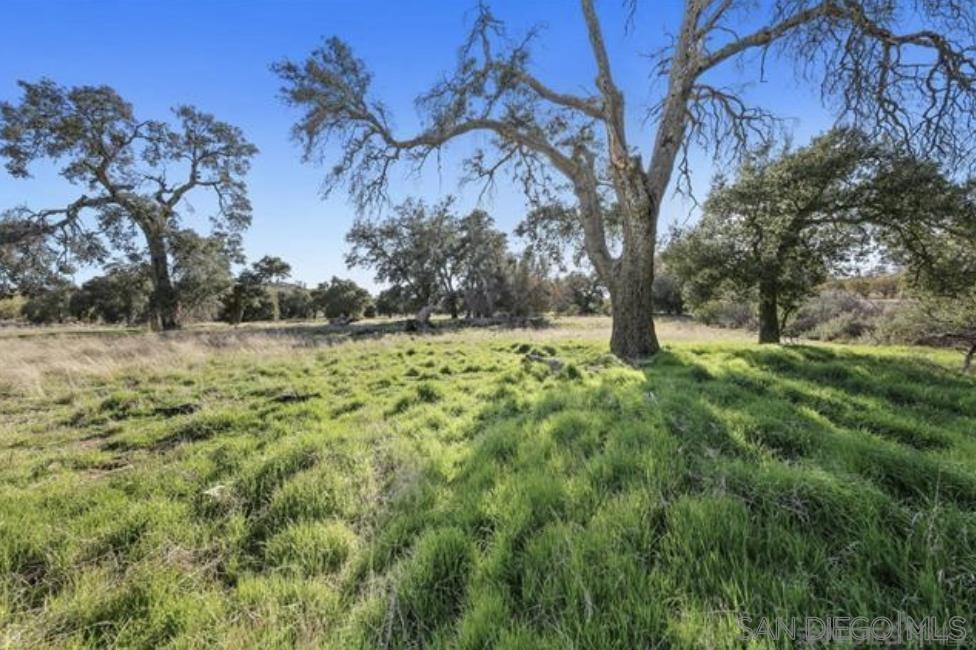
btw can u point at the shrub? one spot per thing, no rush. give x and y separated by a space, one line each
845 327
905 324
49 306
835 315
726 312
341 298
12 308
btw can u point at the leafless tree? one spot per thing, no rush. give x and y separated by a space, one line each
914 83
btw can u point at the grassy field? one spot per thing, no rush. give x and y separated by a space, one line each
264 489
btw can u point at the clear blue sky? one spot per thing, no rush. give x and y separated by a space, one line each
215 54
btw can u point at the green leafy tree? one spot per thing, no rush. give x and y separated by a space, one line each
51 304
201 268
783 225
272 270
245 295
341 298
133 175
392 302
484 261
417 249
581 293
121 295
297 303
667 289
528 290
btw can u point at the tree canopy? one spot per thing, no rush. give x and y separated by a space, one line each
790 219
133 176
341 299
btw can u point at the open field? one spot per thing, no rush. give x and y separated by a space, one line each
268 488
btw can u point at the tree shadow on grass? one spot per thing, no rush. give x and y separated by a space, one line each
598 507
330 333
637 509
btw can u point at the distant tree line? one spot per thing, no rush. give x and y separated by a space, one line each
430 256
781 243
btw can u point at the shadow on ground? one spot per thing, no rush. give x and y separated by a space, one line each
445 496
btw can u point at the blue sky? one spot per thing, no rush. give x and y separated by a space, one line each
215 54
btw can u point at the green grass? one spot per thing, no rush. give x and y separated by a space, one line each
445 493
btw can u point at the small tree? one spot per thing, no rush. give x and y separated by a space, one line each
121 295
341 298
392 302
581 293
529 290
134 175
297 303
910 74
667 290
272 270
483 257
51 304
201 272
245 294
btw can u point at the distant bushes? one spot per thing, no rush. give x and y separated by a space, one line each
727 312
835 315
12 308
859 310
49 306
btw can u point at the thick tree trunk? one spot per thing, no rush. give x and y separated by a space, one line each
768 312
164 303
633 336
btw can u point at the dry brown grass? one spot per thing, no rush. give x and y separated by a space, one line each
33 360
32 364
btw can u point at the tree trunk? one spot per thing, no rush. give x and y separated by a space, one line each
164 303
275 308
967 363
768 312
421 322
633 336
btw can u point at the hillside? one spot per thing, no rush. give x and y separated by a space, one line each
444 491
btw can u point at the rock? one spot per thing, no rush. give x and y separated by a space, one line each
554 364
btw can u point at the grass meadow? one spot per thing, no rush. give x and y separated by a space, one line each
275 489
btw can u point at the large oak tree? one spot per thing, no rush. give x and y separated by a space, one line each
133 176
906 71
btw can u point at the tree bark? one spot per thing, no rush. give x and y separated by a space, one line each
631 297
769 331
164 303
633 336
